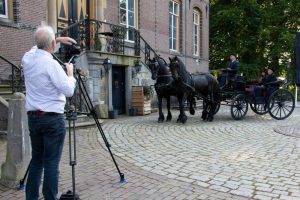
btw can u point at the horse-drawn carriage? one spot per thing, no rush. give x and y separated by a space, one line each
273 98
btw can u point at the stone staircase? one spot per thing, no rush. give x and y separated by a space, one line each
5 91
83 121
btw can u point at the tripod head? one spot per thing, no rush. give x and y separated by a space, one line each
69 51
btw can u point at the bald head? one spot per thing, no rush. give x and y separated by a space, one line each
44 37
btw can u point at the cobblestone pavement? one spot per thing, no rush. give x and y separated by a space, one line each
224 159
245 157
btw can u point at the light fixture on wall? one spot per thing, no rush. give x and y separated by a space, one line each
137 66
107 64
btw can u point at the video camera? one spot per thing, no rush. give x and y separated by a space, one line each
69 51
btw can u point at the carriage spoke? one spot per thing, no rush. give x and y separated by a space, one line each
283 111
239 113
277 111
287 108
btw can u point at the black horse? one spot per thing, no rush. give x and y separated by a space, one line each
188 85
164 85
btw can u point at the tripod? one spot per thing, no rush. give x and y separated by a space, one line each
72 117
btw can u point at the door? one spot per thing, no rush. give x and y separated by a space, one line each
118 89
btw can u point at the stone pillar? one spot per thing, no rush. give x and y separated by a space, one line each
109 90
18 143
52 14
128 87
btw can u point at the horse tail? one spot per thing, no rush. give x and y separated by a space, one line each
214 88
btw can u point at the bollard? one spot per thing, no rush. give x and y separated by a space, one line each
18 143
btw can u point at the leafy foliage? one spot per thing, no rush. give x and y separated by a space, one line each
262 32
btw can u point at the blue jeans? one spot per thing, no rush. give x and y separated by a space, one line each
47 134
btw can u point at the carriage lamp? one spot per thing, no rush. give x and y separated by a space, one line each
107 64
137 66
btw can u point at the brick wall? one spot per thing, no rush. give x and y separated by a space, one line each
16 41
153 23
111 11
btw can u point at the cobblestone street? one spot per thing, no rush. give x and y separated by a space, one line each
224 159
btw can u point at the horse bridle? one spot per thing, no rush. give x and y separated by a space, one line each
156 64
184 83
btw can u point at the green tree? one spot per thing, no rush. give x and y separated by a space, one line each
262 32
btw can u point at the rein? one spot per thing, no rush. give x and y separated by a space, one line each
168 75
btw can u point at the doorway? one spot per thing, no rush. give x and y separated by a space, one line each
118 89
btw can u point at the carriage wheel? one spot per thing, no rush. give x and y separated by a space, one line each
259 109
281 104
239 107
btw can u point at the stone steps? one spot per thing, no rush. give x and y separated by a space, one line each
5 88
83 121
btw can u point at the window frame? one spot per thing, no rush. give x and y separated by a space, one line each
126 25
172 15
196 26
6 10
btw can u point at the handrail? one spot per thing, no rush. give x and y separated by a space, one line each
9 62
17 78
69 27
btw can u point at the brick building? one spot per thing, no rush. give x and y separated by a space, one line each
188 18
170 27
18 18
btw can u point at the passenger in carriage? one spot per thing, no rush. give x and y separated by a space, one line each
230 72
263 74
268 78
266 87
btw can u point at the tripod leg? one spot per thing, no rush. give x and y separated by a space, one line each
22 181
71 117
95 116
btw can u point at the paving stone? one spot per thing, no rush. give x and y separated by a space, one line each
225 159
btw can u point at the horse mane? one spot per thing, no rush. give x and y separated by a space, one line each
159 58
182 67
180 62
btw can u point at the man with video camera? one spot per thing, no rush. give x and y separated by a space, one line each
47 86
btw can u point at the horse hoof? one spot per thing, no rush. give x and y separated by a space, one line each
192 112
160 120
169 119
183 119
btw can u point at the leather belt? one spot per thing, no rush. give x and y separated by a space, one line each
41 113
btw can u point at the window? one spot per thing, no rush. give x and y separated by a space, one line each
173 25
127 17
3 9
197 32
196 37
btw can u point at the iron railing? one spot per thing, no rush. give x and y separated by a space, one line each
17 77
105 37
